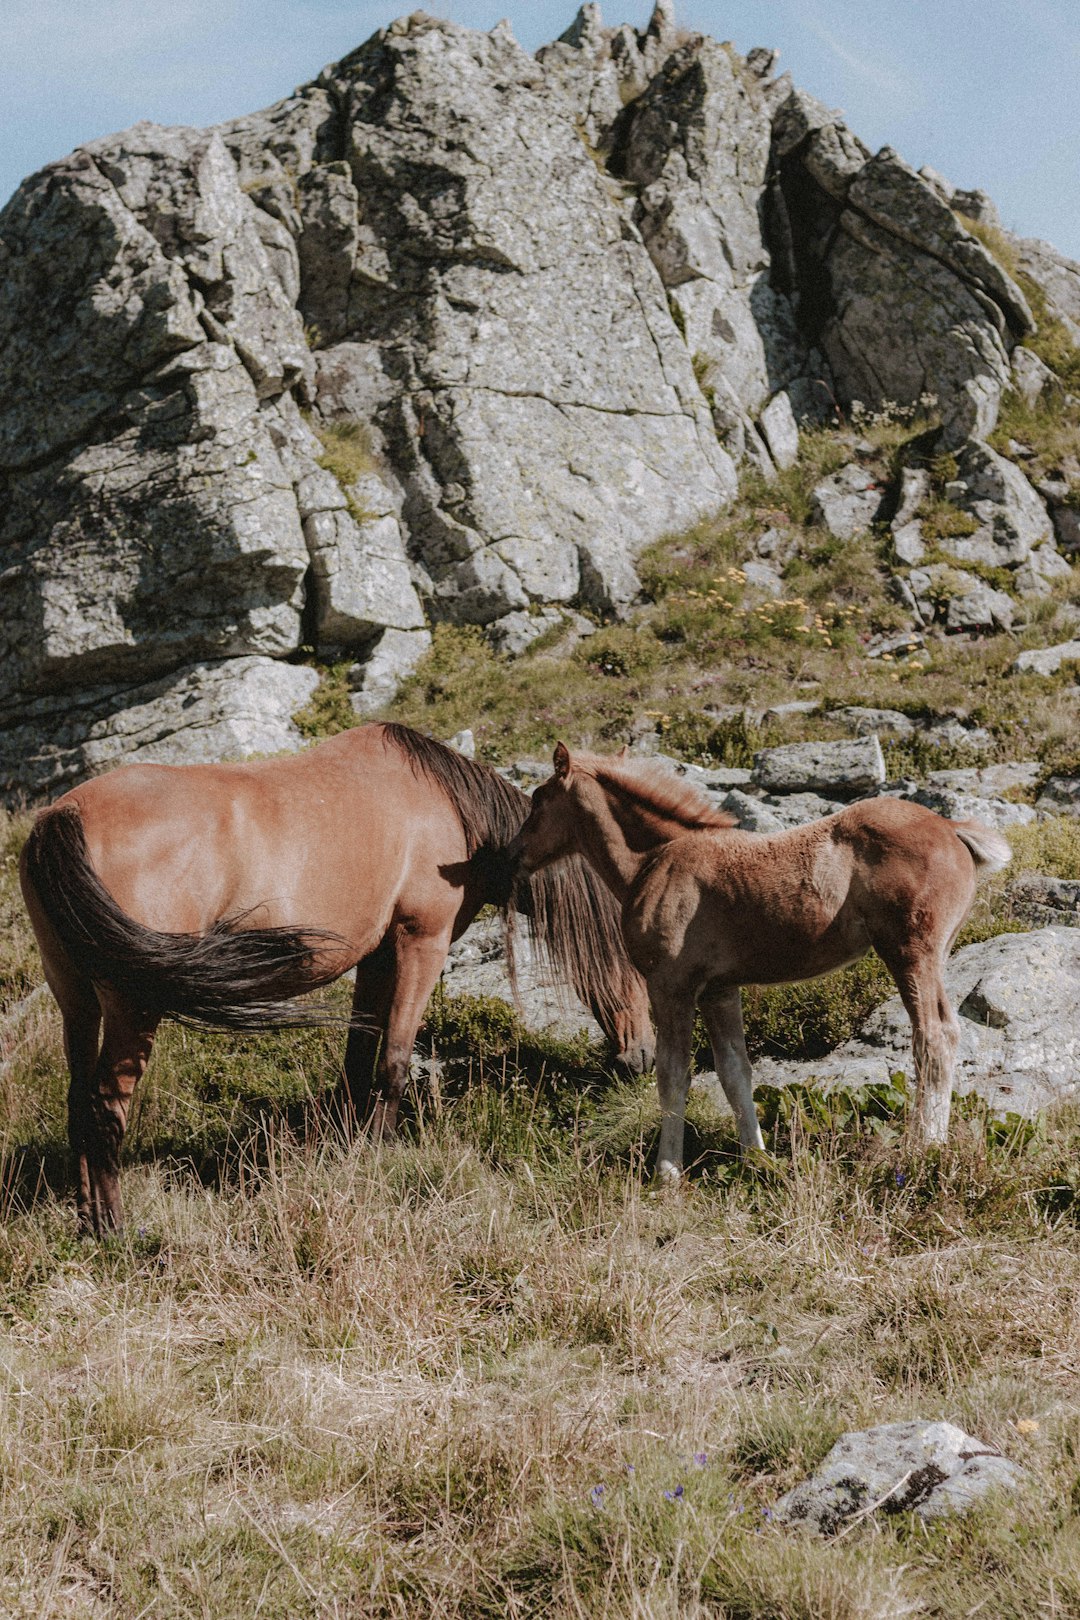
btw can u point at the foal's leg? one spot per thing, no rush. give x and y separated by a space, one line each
419 959
935 1039
99 1103
721 1008
674 1035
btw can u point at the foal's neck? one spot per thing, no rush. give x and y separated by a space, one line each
619 833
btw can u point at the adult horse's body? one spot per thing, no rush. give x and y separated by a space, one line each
217 893
706 909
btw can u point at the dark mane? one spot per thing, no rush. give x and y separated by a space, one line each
572 917
490 809
655 788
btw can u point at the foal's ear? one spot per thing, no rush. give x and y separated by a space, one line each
561 761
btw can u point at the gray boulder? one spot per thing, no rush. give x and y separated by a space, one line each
751 814
696 150
843 769
847 502
1033 378
1016 996
394 656
1060 797
930 1469
1000 497
1045 902
231 709
960 806
961 601
1046 660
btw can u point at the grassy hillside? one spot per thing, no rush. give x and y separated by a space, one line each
488 1370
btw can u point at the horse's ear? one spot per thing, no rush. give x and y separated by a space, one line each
561 761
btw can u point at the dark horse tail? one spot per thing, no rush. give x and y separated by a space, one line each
231 977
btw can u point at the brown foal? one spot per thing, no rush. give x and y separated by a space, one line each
218 893
706 909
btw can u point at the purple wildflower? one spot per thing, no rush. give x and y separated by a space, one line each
676 1495
701 1458
596 1496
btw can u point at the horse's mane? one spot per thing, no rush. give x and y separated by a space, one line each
572 917
654 787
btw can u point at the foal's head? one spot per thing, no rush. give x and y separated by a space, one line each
551 831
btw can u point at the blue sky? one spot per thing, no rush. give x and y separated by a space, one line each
984 90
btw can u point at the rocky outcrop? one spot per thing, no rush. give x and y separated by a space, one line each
553 299
898 295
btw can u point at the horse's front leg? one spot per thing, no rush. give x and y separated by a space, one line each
674 1035
418 961
721 1008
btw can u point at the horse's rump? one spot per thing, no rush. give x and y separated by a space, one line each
230 977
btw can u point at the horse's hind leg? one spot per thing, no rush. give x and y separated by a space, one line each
721 1008
99 1102
935 1039
370 1011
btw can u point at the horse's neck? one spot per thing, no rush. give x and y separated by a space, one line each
618 835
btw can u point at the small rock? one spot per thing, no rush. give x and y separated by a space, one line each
886 722
1066 521
1046 660
464 742
1045 902
979 608
896 646
780 431
998 495
843 768
1033 378
796 809
914 489
927 1468
776 545
780 711
763 578
751 814
1060 797
988 781
954 734
515 632
1036 576
394 656
846 503
908 544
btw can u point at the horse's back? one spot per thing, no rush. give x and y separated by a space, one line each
315 836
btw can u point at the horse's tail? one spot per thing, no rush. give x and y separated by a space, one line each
231 977
989 849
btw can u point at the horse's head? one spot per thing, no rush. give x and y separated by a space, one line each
551 831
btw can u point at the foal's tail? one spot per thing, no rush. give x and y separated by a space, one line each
989 850
231 977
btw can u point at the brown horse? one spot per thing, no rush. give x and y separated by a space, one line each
706 909
216 894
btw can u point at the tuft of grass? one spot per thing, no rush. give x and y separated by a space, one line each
347 451
329 710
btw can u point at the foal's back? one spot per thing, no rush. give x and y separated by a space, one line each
790 905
